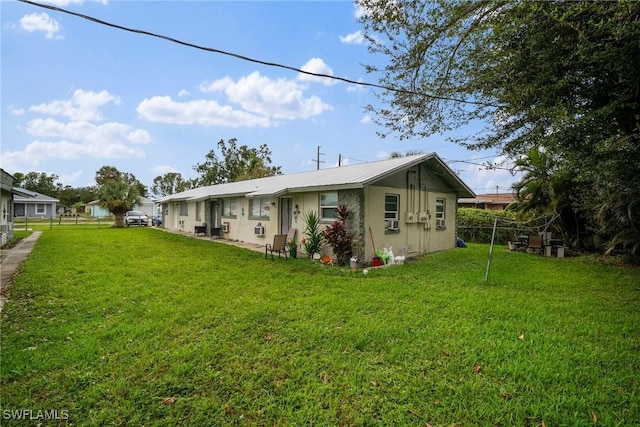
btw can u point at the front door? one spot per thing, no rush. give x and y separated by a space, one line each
285 215
213 215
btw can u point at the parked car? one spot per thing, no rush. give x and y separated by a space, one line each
156 220
136 218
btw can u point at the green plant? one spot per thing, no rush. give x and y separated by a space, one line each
338 237
312 240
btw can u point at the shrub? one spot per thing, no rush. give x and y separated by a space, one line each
337 236
312 241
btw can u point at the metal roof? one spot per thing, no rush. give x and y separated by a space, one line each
35 198
344 177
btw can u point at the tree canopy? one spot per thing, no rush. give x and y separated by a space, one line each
558 77
235 163
118 192
170 183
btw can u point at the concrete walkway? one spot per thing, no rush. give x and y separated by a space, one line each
11 260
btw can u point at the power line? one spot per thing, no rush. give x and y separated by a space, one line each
246 58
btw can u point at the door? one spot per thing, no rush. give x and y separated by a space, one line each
285 214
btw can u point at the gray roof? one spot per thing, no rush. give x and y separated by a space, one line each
37 198
345 177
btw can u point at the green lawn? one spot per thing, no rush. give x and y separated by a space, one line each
142 327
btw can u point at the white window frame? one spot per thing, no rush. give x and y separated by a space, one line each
183 208
441 210
41 209
259 209
326 208
229 208
391 214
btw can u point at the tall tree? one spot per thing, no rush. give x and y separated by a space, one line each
170 183
235 163
557 75
118 192
39 182
111 173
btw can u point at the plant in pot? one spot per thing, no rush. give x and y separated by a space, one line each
312 239
338 236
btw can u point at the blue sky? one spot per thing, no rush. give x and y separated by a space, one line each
77 95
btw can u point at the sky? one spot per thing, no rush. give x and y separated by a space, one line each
77 95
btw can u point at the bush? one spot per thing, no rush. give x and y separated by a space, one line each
476 225
337 236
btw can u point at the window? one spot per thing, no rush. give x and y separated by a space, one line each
328 205
229 207
198 207
391 202
440 214
184 208
391 215
41 209
260 208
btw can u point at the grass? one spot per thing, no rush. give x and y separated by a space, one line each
142 327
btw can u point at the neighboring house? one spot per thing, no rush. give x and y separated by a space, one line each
40 206
7 194
496 202
96 210
407 203
148 206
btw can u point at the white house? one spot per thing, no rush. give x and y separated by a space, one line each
408 203
7 194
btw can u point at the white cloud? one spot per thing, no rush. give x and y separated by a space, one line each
485 180
356 87
353 38
87 132
262 100
207 113
15 110
38 151
183 92
40 22
163 169
84 105
365 120
317 66
75 140
279 99
71 179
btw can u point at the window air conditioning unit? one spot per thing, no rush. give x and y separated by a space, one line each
258 230
225 227
440 223
393 224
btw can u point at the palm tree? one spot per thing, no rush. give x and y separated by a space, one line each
118 197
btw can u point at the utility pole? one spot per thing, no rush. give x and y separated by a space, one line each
318 161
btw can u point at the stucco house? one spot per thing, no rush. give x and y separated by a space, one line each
7 194
39 206
407 203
